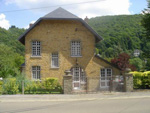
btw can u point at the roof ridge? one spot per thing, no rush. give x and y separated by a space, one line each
60 13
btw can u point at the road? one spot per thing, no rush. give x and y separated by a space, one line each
131 105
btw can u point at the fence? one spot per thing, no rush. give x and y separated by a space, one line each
99 84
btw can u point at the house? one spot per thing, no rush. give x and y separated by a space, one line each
61 41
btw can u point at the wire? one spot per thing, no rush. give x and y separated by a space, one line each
50 6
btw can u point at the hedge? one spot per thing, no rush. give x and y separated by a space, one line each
141 80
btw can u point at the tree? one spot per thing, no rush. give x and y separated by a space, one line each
9 61
137 62
122 62
146 25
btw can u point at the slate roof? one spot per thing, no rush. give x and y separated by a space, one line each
59 14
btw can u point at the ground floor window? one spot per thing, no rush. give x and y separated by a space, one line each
105 77
36 72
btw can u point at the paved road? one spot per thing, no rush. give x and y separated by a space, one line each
126 105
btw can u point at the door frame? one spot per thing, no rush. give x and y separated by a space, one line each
106 79
78 81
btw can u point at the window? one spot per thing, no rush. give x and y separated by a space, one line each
36 48
54 60
75 48
79 74
106 73
36 72
106 76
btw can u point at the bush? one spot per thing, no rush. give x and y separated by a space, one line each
32 86
52 84
141 79
1 83
10 86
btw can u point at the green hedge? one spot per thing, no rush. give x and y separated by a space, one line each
1 82
14 86
141 80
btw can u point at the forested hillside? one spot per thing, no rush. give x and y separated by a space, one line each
122 33
11 51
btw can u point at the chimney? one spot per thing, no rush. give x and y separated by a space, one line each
30 25
86 19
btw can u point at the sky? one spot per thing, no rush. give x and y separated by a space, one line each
23 12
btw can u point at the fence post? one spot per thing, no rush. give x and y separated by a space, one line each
128 80
67 82
23 87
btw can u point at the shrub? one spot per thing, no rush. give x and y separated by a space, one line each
1 82
32 86
10 86
51 84
141 79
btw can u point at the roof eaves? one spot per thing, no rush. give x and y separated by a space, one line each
30 28
107 62
90 28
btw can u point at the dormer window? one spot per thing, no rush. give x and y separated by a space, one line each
75 48
36 48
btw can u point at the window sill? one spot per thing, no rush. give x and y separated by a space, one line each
37 80
36 57
76 56
54 67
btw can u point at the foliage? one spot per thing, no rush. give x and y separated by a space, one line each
51 84
32 86
146 24
122 62
141 79
137 62
122 33
9 61
10 86
1 83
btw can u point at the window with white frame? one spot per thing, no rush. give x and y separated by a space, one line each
36 48
36 72
54 60
75 48
106 73
78 74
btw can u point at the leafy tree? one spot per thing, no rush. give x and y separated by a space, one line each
146 25
9 61
137 62
122 62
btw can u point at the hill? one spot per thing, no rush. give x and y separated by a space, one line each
122 33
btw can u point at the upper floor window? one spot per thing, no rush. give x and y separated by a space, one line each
54 60
36 48
75 48
36 72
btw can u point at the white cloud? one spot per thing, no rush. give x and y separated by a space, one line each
3 22
100 8
32 22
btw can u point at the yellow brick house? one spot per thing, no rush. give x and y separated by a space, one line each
61 41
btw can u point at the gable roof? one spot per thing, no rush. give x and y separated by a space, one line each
59 14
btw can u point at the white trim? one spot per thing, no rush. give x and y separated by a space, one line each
75 48
36 48
105 78
54 58
36 73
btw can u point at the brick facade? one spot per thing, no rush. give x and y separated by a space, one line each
55 36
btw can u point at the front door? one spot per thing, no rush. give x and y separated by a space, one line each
76 77
105 77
